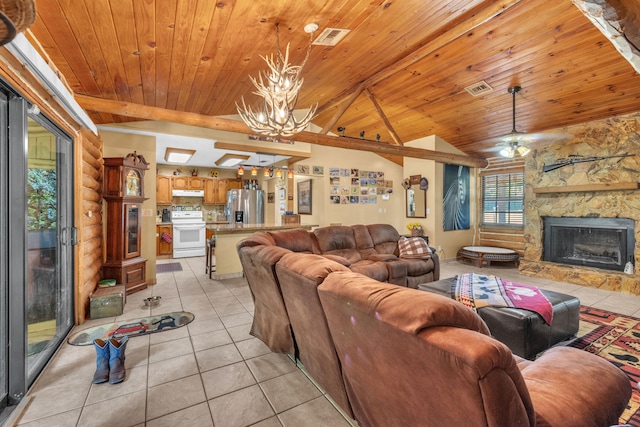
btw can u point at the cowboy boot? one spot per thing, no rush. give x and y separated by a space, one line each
116 359
102 362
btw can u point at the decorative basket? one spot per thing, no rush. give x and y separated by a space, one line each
417 231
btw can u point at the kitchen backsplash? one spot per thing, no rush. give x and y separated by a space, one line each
210 213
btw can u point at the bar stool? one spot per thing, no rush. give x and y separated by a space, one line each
211 252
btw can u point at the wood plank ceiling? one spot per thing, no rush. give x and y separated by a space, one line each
400 72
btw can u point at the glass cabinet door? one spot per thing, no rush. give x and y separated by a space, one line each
132 227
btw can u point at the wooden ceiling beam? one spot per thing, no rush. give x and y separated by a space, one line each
345 105
464 24
155 113
386 121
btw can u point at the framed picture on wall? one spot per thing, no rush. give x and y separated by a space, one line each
304 197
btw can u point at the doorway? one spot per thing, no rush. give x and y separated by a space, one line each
36 258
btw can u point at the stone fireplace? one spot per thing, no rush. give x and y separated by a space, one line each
605 243
606 190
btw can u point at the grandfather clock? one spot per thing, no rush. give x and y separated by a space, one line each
123 189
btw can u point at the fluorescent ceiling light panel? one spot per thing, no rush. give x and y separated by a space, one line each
230 160
178 155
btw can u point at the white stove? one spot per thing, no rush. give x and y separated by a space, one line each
189 235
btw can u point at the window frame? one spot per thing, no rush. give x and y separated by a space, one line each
510 198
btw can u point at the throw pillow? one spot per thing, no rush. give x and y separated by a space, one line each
413 247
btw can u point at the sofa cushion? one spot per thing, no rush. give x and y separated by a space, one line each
338 240
296 240
377 270
413 247
299 276
384 237
270 320
431 345
338 259
364 242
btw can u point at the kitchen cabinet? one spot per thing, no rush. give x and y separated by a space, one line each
234 184
162 246
221 194
196 183
180 182
215 190
187 182
163 190
210 191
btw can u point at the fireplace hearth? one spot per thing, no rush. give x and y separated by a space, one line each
605 243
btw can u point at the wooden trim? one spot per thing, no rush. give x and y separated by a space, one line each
129 109
588 187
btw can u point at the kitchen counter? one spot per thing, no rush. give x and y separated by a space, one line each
252 228
228 235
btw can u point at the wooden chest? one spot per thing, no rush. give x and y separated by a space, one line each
107 302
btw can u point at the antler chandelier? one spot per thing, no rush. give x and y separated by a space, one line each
278 89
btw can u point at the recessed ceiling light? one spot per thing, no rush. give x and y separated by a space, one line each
178 155
229 160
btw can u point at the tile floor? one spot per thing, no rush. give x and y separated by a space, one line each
211 372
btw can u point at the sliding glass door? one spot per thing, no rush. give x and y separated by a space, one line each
36 268
4 227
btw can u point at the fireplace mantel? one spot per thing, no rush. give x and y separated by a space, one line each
587 187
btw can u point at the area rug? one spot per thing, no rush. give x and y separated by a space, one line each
132 328
614 337
168 268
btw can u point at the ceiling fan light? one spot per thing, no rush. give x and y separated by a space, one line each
522 150
508 152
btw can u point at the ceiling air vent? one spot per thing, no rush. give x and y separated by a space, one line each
330 36
479 88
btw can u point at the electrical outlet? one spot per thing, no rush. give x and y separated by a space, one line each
439 248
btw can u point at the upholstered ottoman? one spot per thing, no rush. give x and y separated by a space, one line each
524 331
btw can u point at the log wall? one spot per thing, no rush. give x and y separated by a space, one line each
89 173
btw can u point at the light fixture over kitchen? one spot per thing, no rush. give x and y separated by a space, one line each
229 160
278 89
178 155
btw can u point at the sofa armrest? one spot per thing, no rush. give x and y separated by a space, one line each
397 272
566 380
338 259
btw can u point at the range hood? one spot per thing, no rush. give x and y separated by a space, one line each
188 193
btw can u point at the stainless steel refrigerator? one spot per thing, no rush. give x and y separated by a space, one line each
245 206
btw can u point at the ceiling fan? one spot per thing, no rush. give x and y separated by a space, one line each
514 142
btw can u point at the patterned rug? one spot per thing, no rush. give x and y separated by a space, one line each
168 268
615 337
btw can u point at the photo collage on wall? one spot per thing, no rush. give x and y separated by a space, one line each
355 186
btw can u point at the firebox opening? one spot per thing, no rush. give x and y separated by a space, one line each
605 243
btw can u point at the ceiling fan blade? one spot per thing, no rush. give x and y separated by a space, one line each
522 138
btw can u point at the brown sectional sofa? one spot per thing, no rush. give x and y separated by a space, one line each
368 249
412 358
390 355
